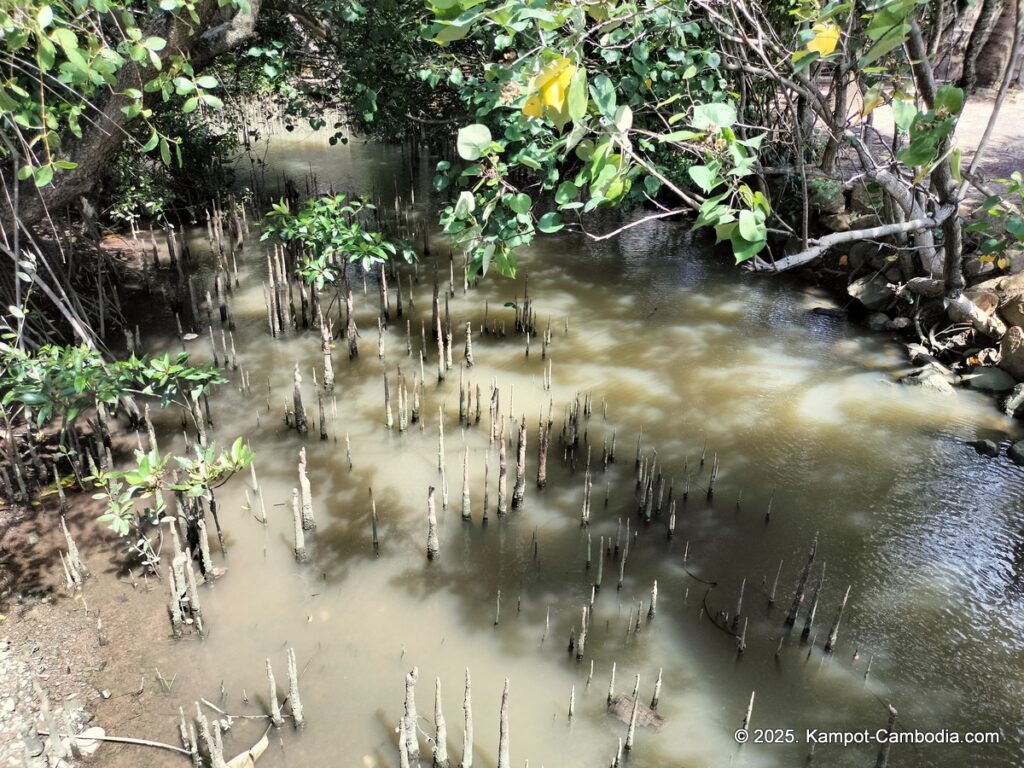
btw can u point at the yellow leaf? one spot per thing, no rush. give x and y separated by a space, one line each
1003 262
550 87
532 107
843 260
872 98
826 38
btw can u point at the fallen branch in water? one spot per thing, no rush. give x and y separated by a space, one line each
823 244
127 740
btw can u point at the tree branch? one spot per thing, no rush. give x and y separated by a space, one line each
823 244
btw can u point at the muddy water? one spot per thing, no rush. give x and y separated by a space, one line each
794 404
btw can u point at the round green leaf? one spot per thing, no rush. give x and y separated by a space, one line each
520 203
550 222
472 141
713 116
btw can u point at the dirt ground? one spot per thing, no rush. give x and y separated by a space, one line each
50 637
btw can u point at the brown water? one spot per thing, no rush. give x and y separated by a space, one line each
794 404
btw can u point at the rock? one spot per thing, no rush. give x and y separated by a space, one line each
1013 310
898 324
826 195
828 311
893 274
872 291
1016 453
973 266
861 199
1013 405
930 377
986 447
877 321
621 706
1011 352
88 740
869 221
837 222
1008 292
989 380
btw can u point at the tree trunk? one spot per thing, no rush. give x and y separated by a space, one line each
217 32
991 58
991 12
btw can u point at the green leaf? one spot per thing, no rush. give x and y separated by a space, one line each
520 203
190 104
566 192
623 118
154 43
603 93
44 17
577 98
550 222
750 227
710 117
465 205
903 113
950 98
682 136
472 141
207 81
151 144
704 176
43 175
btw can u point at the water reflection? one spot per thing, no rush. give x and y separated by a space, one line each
799 410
